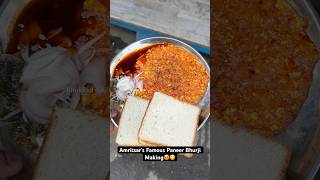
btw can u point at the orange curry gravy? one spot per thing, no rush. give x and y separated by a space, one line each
169 69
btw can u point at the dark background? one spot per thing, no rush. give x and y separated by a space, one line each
316 4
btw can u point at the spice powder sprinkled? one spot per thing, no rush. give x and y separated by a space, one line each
263 64
174 71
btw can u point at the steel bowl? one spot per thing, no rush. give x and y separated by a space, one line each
204 104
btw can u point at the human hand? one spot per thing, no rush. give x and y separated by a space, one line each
10 164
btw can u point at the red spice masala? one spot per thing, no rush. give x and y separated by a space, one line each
174 71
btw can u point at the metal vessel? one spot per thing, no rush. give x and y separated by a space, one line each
204 104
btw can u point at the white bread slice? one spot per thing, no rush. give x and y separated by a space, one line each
169 122
238 154
74 147
146 144
130 121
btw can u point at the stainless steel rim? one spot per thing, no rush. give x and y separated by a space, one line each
205 101
314 16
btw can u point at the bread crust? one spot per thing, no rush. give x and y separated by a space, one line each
285 165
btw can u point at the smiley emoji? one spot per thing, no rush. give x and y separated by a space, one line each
172 157
166 157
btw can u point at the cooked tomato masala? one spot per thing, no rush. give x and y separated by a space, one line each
263 62
169 69
174 71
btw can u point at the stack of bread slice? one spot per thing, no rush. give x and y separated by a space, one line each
164 121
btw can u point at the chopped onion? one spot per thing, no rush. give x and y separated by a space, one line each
55 32
75 99
39 61
49 72
81 57
20 26
42 37
24 51
139 84
127 85
35 47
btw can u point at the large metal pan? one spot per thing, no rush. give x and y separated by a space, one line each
204 104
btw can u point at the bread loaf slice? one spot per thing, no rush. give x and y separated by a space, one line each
145 143
130 121
238 154
74 147
169 122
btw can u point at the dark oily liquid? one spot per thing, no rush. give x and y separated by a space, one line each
128 63
50 15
